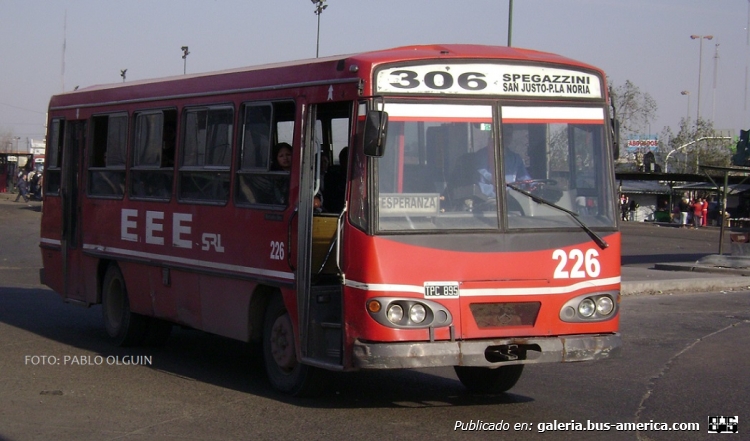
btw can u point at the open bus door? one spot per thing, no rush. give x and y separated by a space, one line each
70 191
319 287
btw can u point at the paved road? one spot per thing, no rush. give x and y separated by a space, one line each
685 357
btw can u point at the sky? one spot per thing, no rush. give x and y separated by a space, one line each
644 41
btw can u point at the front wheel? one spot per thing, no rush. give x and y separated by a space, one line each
284 371
488 380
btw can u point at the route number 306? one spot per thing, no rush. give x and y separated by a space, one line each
576 264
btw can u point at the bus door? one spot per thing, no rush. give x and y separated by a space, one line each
319 282
70 191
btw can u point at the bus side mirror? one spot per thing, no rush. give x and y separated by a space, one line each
376 127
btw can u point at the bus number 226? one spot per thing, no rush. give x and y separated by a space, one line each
580 266
277 250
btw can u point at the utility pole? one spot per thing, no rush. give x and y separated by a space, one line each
319 8
185 53
510 21
716 69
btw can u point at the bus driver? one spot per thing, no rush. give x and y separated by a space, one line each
515 169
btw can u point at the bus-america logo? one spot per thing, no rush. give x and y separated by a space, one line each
488 79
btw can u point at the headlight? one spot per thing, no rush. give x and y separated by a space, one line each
395 313
586 308
408 313
592 307
417 313
604 305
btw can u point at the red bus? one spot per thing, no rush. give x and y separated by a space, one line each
448 205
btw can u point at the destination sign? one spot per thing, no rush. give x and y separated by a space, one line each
488 79
409 204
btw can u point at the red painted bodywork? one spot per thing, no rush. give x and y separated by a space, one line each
203 297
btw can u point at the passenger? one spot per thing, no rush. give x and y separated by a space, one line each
282 161
282 158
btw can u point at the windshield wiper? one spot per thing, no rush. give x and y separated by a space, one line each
595 237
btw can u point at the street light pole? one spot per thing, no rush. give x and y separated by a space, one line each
185 53
687 93
510 21
700 65
319 7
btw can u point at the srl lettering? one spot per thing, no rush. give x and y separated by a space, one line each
153 233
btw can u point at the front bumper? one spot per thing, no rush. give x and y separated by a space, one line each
561 349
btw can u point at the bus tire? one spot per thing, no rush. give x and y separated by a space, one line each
124 327
284 371
484 380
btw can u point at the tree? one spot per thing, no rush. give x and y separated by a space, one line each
6 142
635 109
686 154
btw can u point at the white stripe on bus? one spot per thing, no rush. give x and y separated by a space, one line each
540 290
193 262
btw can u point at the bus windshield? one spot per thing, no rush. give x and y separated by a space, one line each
440 162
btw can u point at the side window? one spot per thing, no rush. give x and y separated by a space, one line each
206 154
107 157
54 156
266 154
154 145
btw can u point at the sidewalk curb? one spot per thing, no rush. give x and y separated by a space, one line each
634 288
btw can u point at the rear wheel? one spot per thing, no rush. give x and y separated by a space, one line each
284 371
488 380
124 327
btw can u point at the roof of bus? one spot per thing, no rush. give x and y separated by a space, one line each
319 69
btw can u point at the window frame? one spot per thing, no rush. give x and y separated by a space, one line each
109 173
53 168
222 172
152 171
246 173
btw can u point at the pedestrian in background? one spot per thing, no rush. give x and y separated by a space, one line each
704 212
23 187
684 207
697 212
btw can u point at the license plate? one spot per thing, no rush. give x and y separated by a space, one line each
441 290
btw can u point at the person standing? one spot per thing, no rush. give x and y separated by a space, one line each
697 213
633 210
704 212
684 207
624 205
23 187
